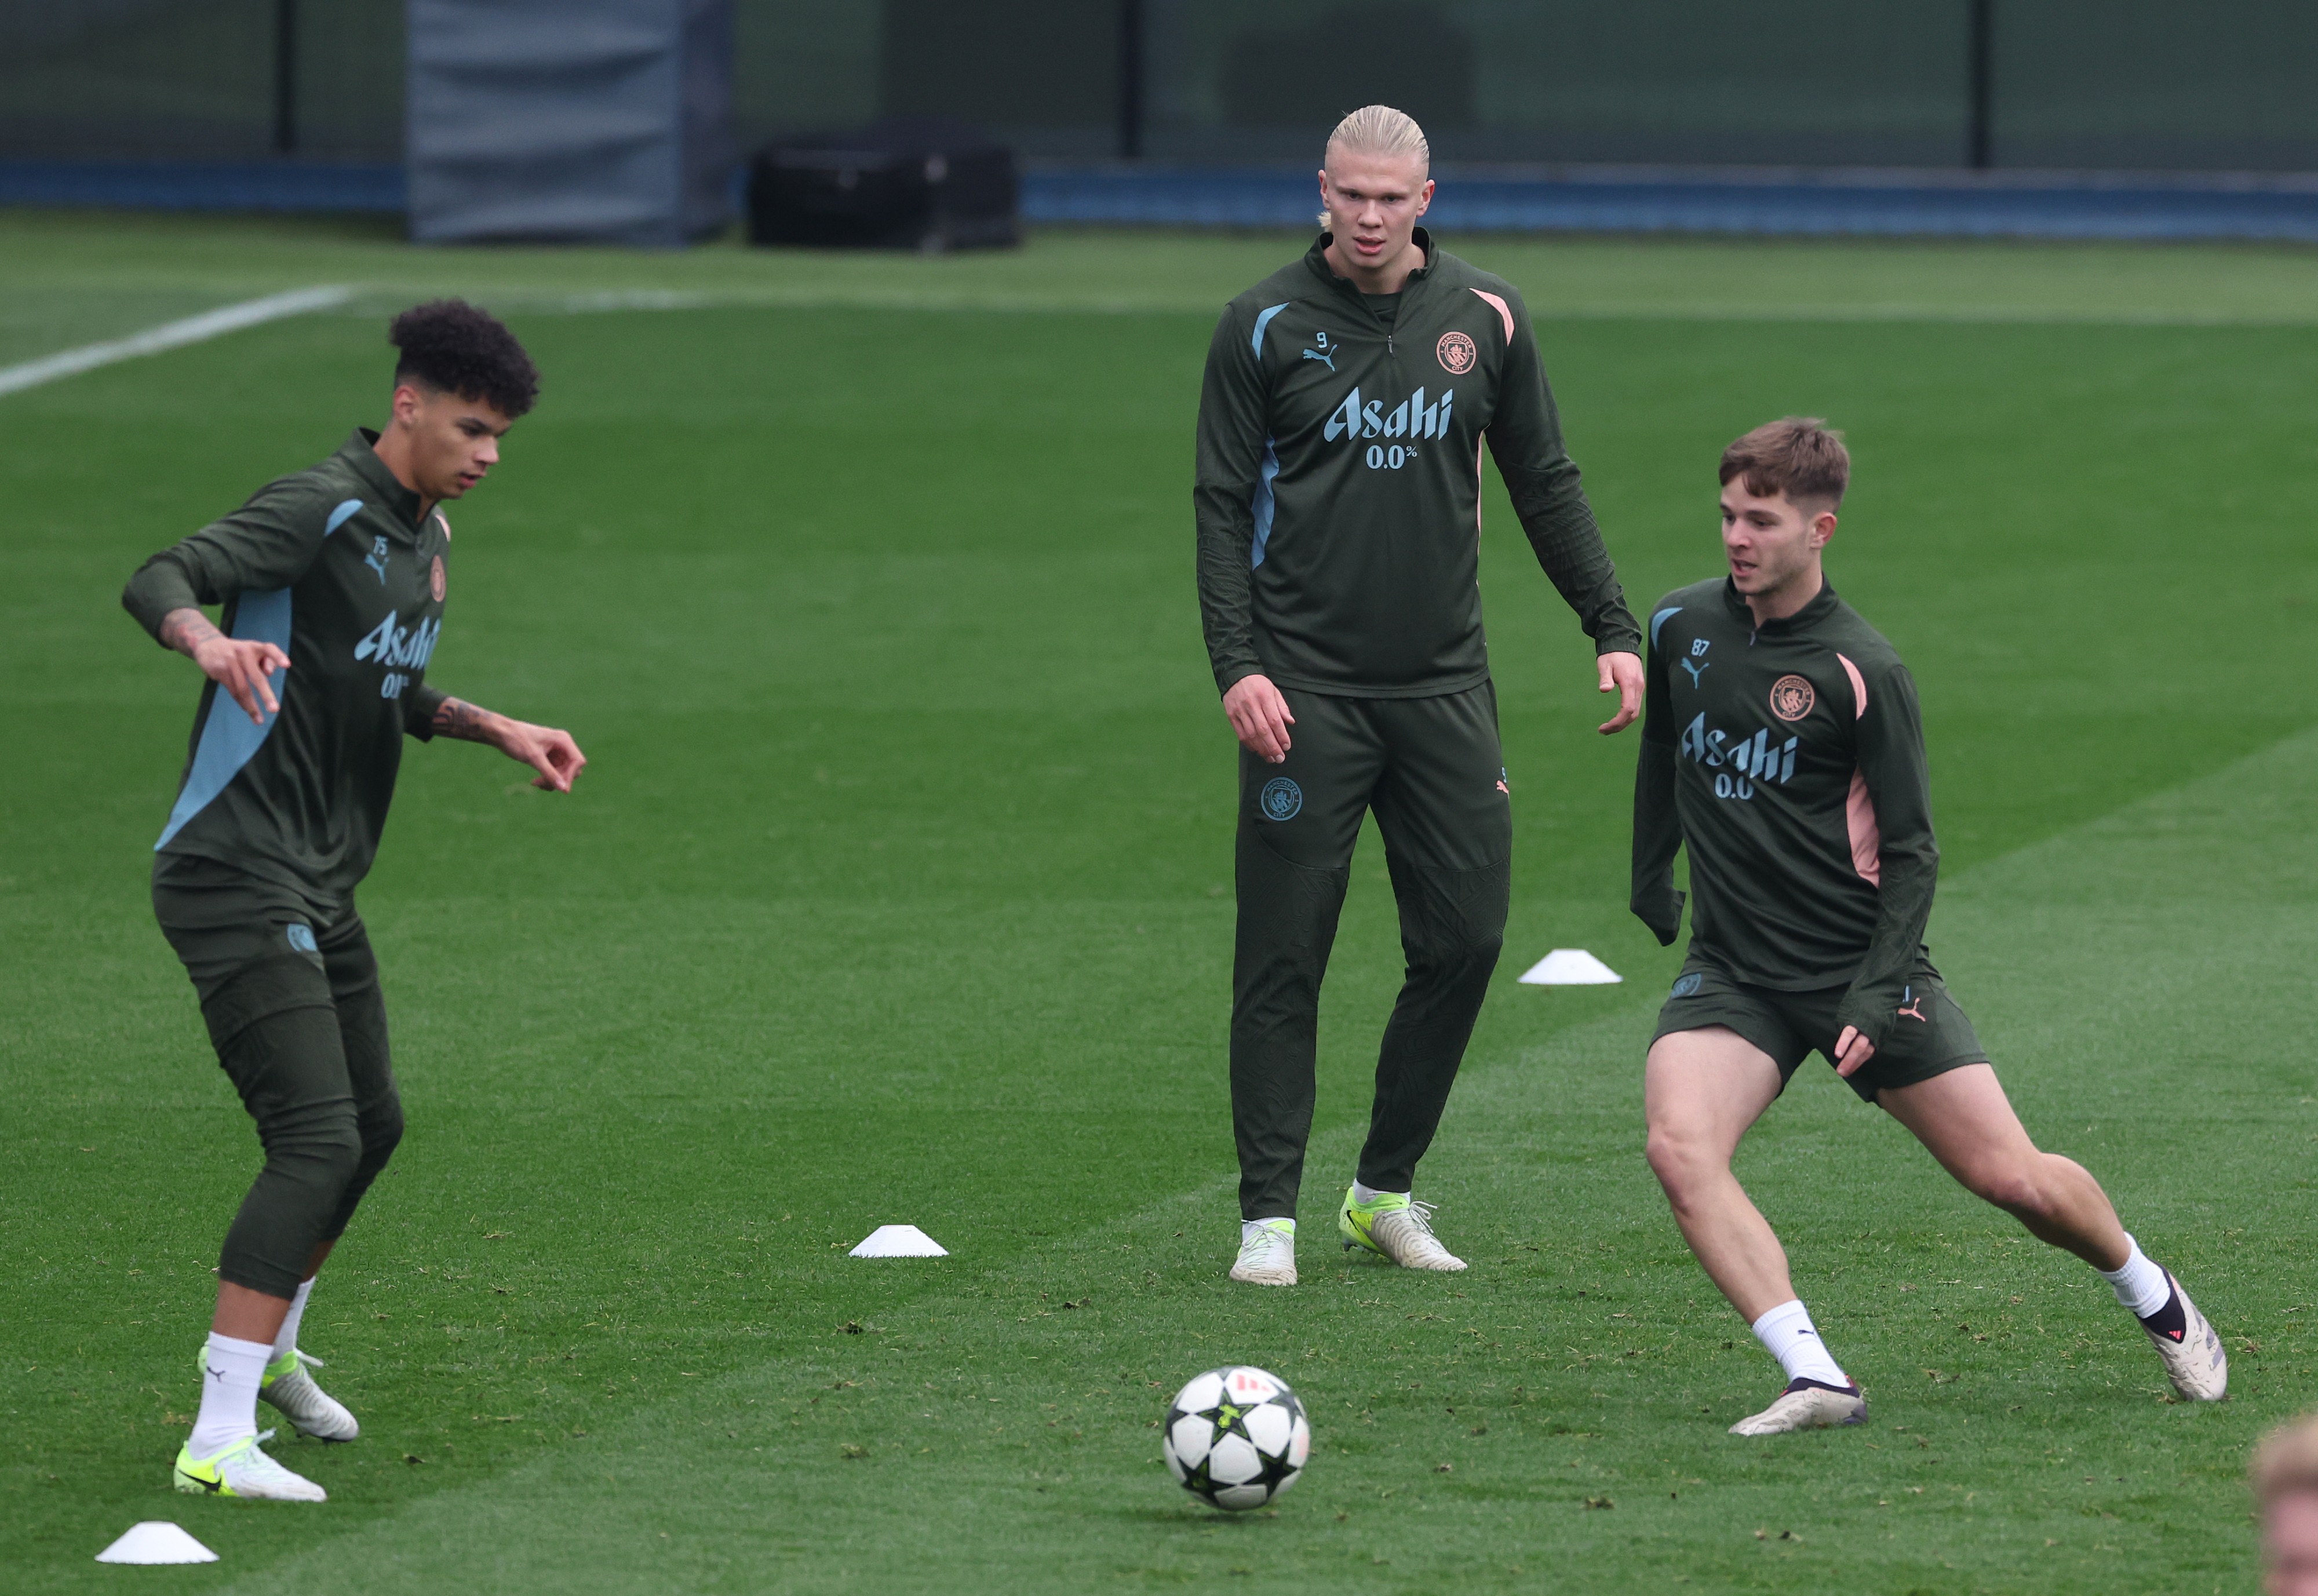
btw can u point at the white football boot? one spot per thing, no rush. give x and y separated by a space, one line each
1392 1226
1267 1253
242 1470
312 1410
1806 1405
309 1408
2194 1360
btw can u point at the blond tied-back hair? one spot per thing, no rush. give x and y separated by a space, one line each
1377 130
2287 1461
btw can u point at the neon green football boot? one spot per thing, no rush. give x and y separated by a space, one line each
292 1392
243 1470
1393 1227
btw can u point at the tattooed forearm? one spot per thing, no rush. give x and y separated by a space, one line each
455 717
186 630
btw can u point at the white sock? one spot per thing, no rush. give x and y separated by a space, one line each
1787 1334
228 1394
2141 1286
1368 1194
286 1340
1249 1228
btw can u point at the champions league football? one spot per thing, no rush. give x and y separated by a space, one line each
1236 1438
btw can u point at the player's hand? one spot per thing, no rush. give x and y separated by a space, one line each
1259 718
242 668
550 752
1852 1049
1621 674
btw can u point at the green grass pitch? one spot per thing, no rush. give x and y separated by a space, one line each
898 892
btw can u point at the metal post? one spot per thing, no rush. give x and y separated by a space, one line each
1130 79
1981 48
285 76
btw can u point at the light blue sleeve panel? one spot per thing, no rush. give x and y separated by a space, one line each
1263 505
229 737
1264 320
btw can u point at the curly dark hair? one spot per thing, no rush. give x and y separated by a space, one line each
454 347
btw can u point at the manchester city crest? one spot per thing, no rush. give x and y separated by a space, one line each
1281 799
1792 697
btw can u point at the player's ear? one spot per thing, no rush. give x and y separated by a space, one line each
1425 197
1822 528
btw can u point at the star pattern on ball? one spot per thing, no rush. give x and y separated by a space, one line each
1221 1414
1277 1470
1229 1418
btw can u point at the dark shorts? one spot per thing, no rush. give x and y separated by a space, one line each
253 946
290 990
1932 1035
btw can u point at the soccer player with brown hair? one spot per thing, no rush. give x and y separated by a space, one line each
333 582
1347 400
1782 746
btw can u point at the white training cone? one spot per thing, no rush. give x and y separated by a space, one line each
1570 966
155 1541
900 1241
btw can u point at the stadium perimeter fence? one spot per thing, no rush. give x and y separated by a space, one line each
1126 107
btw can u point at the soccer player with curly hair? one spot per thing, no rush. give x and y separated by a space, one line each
333 582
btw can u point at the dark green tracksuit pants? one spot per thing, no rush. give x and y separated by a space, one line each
1431 770
291 999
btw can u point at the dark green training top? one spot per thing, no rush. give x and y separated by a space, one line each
1338 486
1789 760
333 566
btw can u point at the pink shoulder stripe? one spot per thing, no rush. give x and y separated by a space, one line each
1866 836
1505 312
1858 688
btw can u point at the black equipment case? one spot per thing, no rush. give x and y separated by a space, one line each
908 183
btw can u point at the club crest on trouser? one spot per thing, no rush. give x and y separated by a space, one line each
1281 799
1792 697
436 579
1688 984
1456 352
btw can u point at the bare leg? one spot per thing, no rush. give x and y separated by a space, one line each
1701 1091
249 1315
1964 1120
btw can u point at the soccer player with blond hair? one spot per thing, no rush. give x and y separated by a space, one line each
1782 747
1347 400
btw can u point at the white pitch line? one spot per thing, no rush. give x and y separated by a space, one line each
1003 302
171 335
